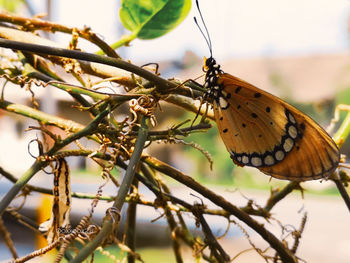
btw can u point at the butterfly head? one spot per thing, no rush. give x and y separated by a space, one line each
212 75
209 63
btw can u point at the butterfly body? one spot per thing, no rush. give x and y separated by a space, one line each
263 131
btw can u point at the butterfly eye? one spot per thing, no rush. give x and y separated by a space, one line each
210 62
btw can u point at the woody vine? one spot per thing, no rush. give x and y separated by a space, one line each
121 144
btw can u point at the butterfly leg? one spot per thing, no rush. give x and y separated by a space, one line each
338 109
155 69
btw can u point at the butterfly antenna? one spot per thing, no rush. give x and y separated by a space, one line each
206 36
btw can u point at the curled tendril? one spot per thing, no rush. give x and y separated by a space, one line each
156 67
40 148
24 80
114 213
144 105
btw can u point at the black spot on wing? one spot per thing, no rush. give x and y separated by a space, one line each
270 157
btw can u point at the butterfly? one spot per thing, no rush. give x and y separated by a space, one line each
265 132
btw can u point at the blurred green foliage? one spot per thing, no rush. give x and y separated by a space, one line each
10 5
343 97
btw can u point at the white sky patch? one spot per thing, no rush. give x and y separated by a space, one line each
237 27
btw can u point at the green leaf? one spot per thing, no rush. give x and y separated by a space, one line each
148 19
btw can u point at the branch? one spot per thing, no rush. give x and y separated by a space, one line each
36 23
43 117
344 194
130 225
40 162
7 238
343 132
284 252
215 247
189 105
279 195
108 221
162 84
88 130
166 134
120 76
11 194
48 191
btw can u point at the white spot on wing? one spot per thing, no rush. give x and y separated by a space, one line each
223 103
256 161
291 118
288 145
268 160
279 155
292 131
245 159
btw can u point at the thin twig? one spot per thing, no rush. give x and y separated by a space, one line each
284 252
215 247
36 23
40 163
43 117
37 253
24 220
130 225
163 84
297 234
44 190
11 194
7 238
344 194
277 196
173 225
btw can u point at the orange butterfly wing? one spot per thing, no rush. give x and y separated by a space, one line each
263 131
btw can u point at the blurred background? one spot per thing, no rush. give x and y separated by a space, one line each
297 50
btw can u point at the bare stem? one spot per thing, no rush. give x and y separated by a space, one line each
11 194
344 194
38 164
130 227
7 238
109 221
43 117
48 191
62 52
279 195
280 248
36 23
